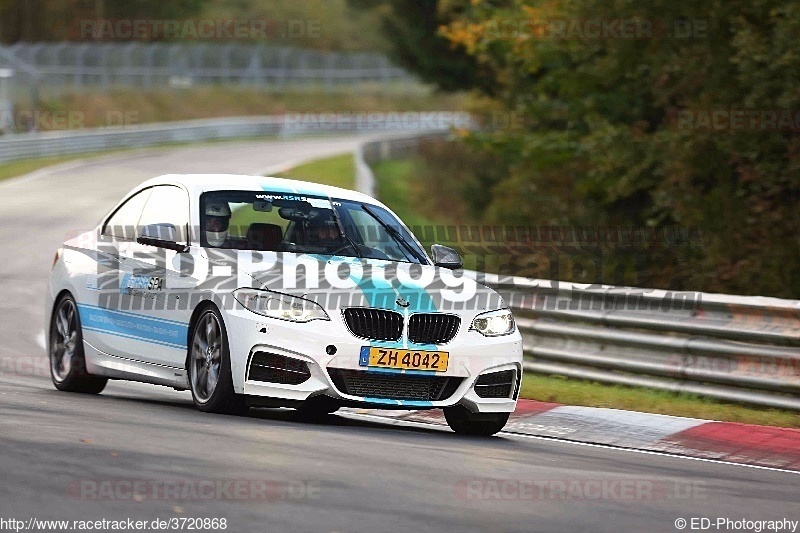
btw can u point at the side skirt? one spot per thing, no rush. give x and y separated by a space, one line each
100 363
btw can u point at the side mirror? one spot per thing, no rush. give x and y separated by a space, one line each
161 236
445 257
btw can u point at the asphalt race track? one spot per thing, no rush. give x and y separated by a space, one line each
73 457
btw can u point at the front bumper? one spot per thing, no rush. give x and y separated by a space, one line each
471 355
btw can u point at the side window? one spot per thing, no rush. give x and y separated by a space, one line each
167 205
122 224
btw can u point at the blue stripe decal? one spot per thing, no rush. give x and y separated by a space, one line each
123 285
404 403
383 401
414 403
106 332
132 326
133 315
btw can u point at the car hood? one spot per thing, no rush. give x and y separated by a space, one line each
338 282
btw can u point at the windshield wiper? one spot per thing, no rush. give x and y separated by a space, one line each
342 232
396 235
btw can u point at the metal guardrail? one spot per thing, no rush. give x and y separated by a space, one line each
735 348
31 145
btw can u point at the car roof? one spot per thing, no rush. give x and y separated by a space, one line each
197 184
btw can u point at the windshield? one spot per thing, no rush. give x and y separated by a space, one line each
288 222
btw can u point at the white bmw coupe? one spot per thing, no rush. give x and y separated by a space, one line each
253 291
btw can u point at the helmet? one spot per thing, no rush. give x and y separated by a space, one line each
218 209
323 228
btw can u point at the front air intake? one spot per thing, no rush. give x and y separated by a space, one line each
496 384
393 386
274 368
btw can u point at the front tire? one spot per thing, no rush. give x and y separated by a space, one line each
465 422
209 366
65 350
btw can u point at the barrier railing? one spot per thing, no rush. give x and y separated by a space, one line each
30 145
735 348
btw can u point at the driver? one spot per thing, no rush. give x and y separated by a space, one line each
324 233
217 220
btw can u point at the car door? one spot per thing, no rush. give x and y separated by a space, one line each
154 285
102 303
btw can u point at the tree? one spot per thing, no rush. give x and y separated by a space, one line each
417 45
612 105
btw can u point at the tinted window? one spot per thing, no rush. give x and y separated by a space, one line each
374 235
292 222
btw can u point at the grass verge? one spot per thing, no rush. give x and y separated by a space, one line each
394 189
20 167
339 171
569 391
130 107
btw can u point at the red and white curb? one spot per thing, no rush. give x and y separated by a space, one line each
738 443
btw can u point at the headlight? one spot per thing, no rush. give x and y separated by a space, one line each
281 306
494 323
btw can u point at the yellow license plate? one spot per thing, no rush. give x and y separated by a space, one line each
403 359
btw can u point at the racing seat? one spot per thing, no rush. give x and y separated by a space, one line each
266 237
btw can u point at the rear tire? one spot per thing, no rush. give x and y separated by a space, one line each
209 366
465 422
65 351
